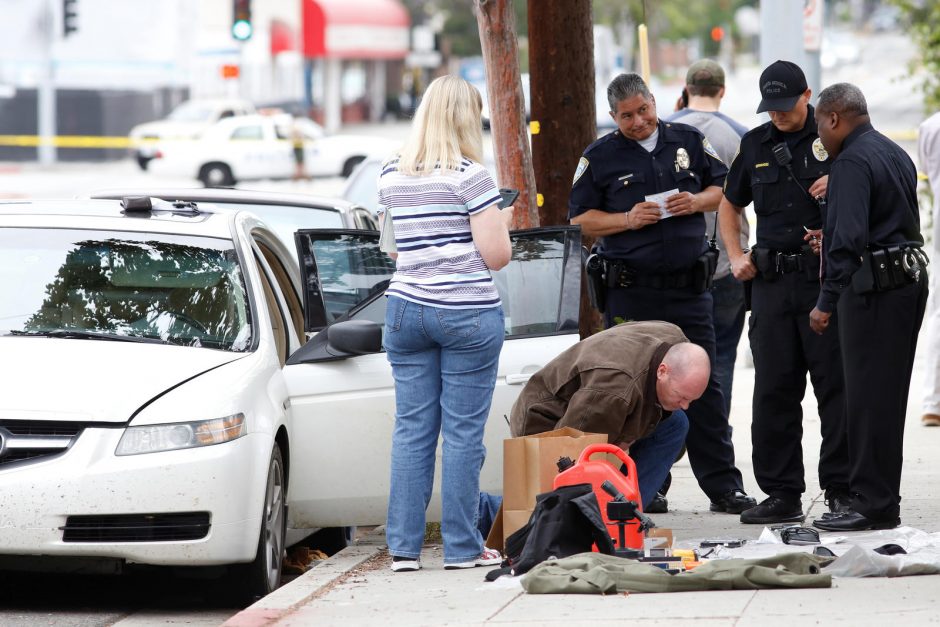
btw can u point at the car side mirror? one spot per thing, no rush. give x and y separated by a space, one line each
339 341
353 337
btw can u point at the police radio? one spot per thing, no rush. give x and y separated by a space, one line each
784 159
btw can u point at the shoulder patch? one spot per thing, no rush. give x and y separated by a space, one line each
582 166
709 149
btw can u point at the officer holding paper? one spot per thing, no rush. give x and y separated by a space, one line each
642 190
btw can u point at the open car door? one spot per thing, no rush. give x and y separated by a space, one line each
343 403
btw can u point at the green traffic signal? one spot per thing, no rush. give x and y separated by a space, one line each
241 30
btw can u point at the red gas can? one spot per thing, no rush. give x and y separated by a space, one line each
596 472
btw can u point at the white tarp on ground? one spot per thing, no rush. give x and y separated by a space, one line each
854 551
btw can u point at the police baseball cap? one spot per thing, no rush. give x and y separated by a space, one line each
781 85
705 73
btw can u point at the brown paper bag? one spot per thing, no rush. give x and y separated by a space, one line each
529 468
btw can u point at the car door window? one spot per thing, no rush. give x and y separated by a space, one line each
252 131
342 269
540 288
345 276
280 275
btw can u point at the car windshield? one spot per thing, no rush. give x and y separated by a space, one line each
116 285
191 112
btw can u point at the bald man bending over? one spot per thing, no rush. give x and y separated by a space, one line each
633 382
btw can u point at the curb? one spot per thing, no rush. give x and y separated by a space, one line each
290 597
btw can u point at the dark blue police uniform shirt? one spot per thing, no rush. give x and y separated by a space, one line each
616 173
783 205
872 204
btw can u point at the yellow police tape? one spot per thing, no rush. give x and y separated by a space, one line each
94 141
71 141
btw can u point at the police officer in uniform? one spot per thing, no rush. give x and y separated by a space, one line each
652 261
874 275
783 168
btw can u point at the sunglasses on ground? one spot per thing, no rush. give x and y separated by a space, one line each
799 535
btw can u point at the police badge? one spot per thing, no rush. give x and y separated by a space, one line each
682 159
819 151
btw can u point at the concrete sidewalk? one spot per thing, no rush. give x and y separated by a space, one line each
356 587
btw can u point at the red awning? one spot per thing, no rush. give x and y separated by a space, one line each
355 29
283 38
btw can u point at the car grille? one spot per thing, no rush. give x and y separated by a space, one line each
137 527
24 441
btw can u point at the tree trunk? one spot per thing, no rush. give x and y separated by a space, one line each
561 70
497 26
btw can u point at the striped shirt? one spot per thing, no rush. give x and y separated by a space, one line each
438 263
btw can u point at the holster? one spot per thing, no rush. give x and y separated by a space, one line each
762 258
703 272
595 268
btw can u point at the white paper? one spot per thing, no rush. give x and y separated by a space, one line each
660 199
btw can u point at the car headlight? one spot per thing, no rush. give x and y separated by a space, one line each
179 435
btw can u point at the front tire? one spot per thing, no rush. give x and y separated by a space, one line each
263 576
216 175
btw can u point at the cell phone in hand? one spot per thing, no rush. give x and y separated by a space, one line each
508 197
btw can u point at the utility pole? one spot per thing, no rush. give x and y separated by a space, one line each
782 27
497 26
45 94
561 67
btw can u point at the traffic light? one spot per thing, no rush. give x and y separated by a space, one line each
718 33
241 20
69 17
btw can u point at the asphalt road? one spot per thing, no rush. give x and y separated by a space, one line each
158 597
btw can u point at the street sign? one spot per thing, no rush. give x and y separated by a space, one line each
812 25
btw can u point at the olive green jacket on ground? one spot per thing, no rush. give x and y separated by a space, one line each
594 573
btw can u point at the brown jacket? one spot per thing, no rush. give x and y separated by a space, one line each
603 384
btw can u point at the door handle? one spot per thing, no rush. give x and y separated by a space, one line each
517 379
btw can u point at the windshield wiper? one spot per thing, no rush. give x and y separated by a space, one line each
80 334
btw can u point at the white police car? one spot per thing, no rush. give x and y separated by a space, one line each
160 402
251 147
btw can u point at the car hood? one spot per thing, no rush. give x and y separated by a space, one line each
164 129
91 380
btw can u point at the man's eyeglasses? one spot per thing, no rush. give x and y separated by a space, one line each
799 535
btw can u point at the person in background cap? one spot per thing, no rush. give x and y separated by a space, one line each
875 277
705 86
783 168
642 191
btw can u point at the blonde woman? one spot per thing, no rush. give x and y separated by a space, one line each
444 322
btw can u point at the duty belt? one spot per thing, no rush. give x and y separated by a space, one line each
889 267
771 263
786 262
620 275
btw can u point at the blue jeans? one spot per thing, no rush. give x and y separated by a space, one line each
654 454
444 362
728 295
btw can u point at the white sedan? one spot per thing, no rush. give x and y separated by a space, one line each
186 121
252 147
174 390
